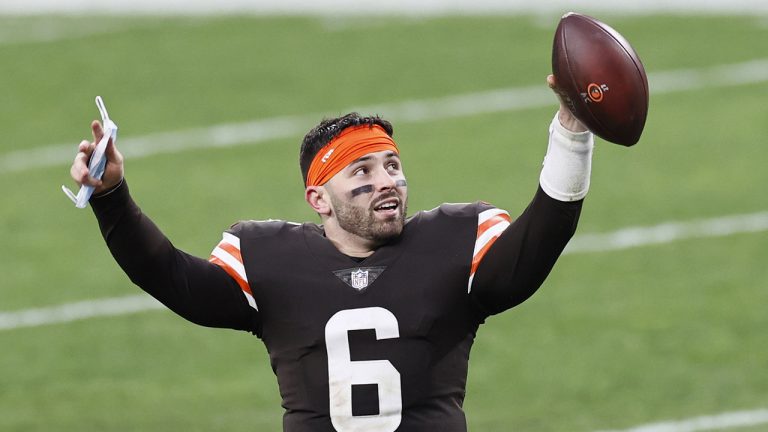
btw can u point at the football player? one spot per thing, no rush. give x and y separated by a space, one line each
369 316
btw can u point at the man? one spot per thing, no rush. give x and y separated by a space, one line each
369 317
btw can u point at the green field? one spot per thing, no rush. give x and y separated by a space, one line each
613 339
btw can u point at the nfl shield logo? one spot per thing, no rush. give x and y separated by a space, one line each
359 279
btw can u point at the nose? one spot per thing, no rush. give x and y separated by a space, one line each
384 180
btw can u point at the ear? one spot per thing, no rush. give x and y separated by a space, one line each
318 199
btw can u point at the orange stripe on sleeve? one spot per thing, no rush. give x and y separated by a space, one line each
490 225
483 227
233 273
235 252
227 255
479 256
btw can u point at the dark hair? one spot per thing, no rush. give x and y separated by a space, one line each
327 130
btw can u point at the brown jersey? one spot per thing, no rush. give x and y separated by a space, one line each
380 344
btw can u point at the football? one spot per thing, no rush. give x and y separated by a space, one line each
600 78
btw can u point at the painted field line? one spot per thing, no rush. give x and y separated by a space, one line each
668 232
54 29
727 420
413 111
77 311
352 7
617 240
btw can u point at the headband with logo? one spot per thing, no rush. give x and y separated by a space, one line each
351 144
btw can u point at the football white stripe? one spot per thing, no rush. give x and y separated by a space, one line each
231 261
489 235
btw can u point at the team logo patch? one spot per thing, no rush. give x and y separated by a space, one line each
359 278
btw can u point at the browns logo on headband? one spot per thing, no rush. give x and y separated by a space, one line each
351 144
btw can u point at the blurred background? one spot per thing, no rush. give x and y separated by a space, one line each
654 318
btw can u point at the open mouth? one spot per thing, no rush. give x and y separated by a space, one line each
387 206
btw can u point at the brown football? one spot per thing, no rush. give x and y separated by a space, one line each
600 78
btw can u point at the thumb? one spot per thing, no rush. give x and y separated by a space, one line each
97 131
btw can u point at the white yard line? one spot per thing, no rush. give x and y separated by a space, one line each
668 232
726 420
418 110
53 29
69 312
347 7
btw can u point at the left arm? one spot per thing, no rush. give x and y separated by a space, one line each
524 254
522 257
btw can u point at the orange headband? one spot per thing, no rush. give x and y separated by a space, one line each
351 144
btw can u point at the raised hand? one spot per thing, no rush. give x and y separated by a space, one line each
114 170
567 119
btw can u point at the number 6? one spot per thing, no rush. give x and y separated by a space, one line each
343 372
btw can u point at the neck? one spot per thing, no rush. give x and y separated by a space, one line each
348 243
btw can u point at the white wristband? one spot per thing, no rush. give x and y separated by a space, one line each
568 163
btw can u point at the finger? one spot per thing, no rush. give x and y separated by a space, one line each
82 176
551 81
85 146
79 169
561 96
97 130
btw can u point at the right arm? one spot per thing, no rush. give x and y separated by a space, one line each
194 288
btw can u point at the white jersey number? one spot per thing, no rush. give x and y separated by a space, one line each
343 373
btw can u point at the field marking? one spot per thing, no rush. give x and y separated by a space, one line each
668 232
352 7
53 29
625 238
77 311
411 111
735 419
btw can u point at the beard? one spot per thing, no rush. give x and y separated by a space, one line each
363 221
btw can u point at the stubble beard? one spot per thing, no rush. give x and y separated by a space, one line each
362 221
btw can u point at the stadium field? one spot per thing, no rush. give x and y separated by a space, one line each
670 324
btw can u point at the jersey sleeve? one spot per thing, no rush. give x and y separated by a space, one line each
196 289
227 255
513 258
491 224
